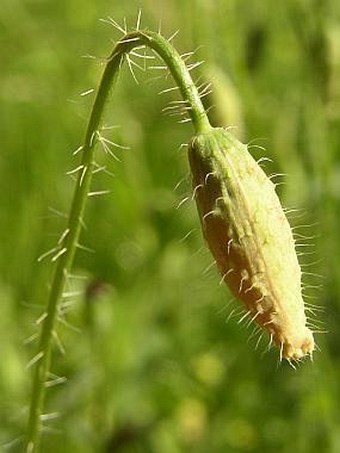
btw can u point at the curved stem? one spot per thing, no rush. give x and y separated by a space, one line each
67 247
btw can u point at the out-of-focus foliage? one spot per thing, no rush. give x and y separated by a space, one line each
151 363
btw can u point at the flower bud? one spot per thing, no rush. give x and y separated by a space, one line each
250 238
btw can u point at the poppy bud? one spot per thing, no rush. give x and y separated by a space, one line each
250 238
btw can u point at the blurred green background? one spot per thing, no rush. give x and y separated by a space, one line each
152 365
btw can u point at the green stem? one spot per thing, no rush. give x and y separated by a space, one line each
66 249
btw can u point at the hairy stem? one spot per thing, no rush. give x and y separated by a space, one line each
66 249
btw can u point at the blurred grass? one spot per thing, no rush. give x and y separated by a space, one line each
153 366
